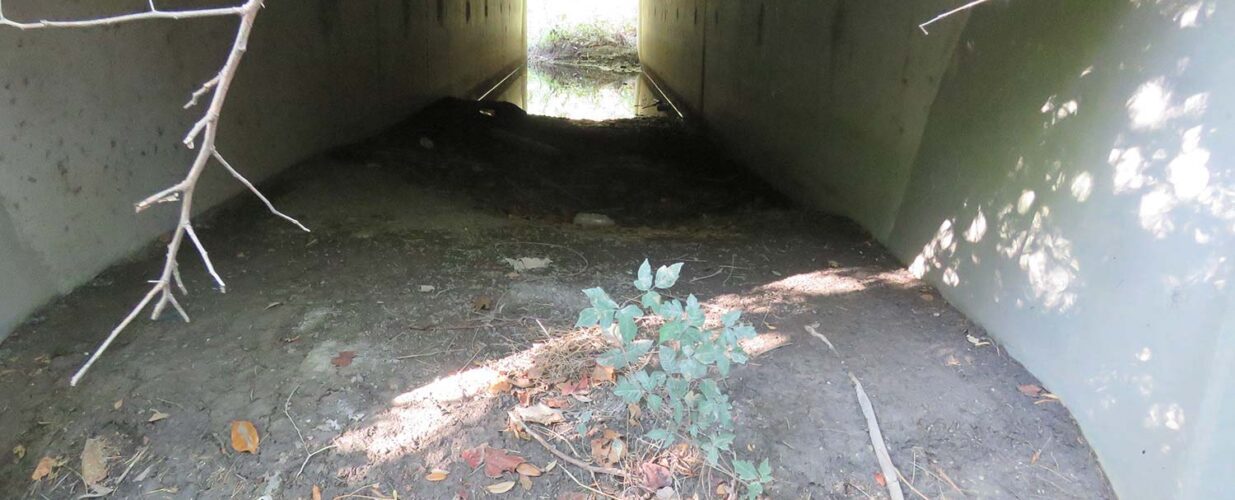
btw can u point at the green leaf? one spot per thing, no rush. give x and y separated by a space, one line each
628 390
677 388
657 379
588 318
637 349
745 331
668 359
765 470
643 379
746 471
667 276
581 427
679 412
753 490
600 299
671 310
722 366
651 301
670 331
694 313
655 402
606 318
731 317
644 281
710 389
713 453
724 440
737 355
613 358
658 435
627 328
692 369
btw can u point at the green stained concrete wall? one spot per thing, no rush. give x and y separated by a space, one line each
1061 170
90 120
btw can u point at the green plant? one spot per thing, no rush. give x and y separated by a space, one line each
692 361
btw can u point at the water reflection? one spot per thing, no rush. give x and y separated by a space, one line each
584 93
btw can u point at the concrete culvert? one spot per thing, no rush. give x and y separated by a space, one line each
682 248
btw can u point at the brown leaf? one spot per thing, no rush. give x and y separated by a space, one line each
157 416
45 467
557 402
583 386
526 483
635 412
244 436
343 359
524 397
498 461
437 475
527 469
539 413
1035 457
602 374
1031 390
655 476
500 386
501 487
317 493
474 456
880 479
722 490
94 462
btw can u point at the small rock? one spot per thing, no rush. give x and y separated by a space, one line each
586 219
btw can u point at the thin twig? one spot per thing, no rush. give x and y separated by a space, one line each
124 18
881 449
940 17
569 459
228 166
311 455
287 404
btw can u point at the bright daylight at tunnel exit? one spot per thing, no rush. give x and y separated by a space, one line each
628 249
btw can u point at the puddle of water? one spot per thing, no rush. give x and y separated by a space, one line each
581 93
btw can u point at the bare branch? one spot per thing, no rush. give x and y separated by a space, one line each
205 257
228 166
124 18
206 128
940 17
164 196
197 94
115 332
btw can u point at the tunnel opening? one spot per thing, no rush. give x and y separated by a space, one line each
904 201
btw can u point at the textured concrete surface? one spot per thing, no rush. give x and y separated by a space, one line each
1060 170
90 120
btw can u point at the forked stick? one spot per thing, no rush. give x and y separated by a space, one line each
206 128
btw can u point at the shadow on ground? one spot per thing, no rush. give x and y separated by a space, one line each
405 268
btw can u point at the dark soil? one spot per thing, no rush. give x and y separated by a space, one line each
440 201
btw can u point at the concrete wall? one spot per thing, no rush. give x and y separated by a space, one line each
1062 170
1074 194
90 120
795 84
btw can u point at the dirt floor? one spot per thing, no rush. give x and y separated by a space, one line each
374 342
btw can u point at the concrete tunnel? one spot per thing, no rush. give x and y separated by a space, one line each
1059 171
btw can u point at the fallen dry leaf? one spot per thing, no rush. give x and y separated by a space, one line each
655 476
94 462
474 456
524 397
343 359
722 490
501 487
45 467
117 404
1035 457
550 466
157 416
526 483
437 475
880 479
500 386
1031 390
527 469
539 413
977 342
244 436
602 374
317 493
583 386
609 448
19 451
557 402
498 461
